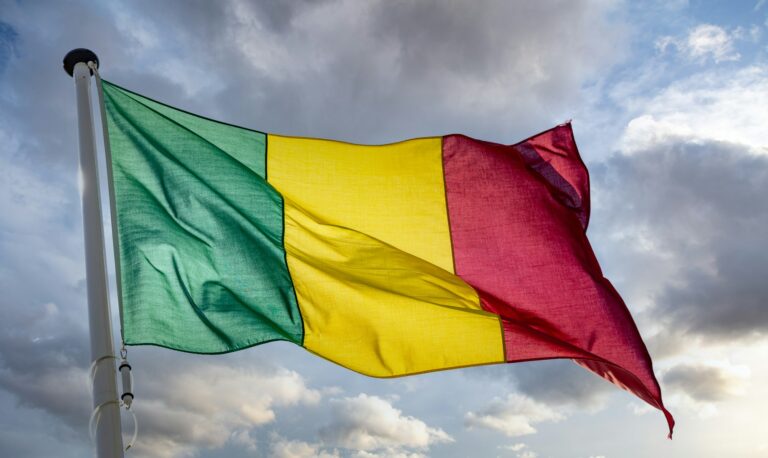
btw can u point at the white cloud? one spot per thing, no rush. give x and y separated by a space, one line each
514 447
520 450
370 423
711 40
282 448
716 106
638 408
527 454
243 438
207 406
387 454
703 42
513 416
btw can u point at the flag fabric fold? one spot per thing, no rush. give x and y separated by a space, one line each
422 255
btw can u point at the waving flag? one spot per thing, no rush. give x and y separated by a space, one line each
427 254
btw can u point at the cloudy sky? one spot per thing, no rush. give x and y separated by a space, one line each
669 102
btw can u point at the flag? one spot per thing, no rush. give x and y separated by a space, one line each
422 255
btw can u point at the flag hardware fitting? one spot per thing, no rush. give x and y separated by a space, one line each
126 398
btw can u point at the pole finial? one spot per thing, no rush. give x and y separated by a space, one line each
79 55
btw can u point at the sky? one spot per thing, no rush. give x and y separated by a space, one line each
669 102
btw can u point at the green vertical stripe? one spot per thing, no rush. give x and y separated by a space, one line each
200 231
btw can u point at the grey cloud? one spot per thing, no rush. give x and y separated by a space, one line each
728 304
43 336
204 21
365 71
358 71
38 108
701 207
562 383
556 383
700 382
668 342
461 38
53 381
277 15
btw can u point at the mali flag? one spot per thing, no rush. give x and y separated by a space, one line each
426 254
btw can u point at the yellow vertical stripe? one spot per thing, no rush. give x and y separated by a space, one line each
394 193
368 248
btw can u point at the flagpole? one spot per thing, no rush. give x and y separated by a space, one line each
108 434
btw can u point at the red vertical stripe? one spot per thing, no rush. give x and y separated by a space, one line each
518 215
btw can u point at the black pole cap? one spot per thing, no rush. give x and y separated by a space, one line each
79 55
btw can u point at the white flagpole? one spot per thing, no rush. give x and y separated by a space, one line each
109 440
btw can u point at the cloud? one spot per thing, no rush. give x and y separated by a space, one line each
678 213
520 449
43 335
562 383
207 406
706 383
513 447
318 68
703 42
514 416
387 454
718 106
559 384
698 249
244 439
371 424
46 390
527 454
282 448
702 388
